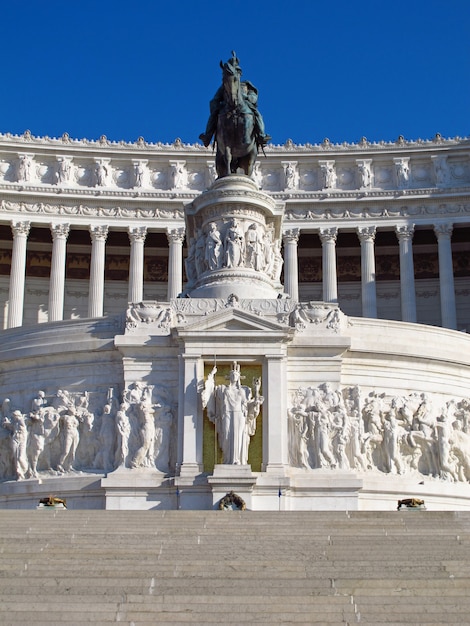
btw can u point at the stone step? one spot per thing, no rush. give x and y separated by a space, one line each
217 567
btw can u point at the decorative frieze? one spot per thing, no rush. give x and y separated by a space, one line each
186 170
347 428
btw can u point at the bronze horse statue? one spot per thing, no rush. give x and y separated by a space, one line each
236 134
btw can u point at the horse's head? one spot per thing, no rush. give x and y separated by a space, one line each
232 66
231 72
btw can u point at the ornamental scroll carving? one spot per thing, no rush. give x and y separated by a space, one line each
68 432
348 429
159 316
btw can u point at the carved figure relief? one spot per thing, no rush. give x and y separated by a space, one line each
395 435
365 174
290 175
403 172
60 434
328 174
25 169
234 243
102 173
64 171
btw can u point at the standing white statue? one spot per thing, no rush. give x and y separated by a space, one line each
233 408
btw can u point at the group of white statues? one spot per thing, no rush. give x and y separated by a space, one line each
328 428
232 247
342 429
60 434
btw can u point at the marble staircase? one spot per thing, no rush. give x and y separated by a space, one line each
229 567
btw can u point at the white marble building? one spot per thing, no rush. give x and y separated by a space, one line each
360 343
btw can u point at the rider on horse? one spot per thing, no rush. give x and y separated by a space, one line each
217 103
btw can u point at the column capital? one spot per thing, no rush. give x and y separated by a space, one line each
175 235
20 228
137 233
60 231
366 233
405 232
328 234
99 233
292 235
443 230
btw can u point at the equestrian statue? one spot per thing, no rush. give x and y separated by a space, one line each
235 122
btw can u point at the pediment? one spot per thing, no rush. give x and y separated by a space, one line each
233 321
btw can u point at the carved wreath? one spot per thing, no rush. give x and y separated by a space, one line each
232 502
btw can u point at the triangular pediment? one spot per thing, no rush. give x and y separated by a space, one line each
233 321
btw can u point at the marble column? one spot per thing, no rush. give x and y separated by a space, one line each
175 261
60 233
446 276
98 251
20 232
275 435
330 279
407 273
366 236
137 236
291 271
190 416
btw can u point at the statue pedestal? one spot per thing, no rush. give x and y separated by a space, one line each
234 234
227 478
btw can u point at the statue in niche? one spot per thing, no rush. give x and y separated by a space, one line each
101 174
233 408
234 245
290 176
213 248
254 248
179 175
235 121
24 172
328 175
16 424
64 171
139 172
365 174
403 173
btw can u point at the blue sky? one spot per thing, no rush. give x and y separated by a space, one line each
148 68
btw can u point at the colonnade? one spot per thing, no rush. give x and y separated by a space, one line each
366 236
175 236
98 234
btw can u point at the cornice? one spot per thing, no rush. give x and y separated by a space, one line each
177 146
